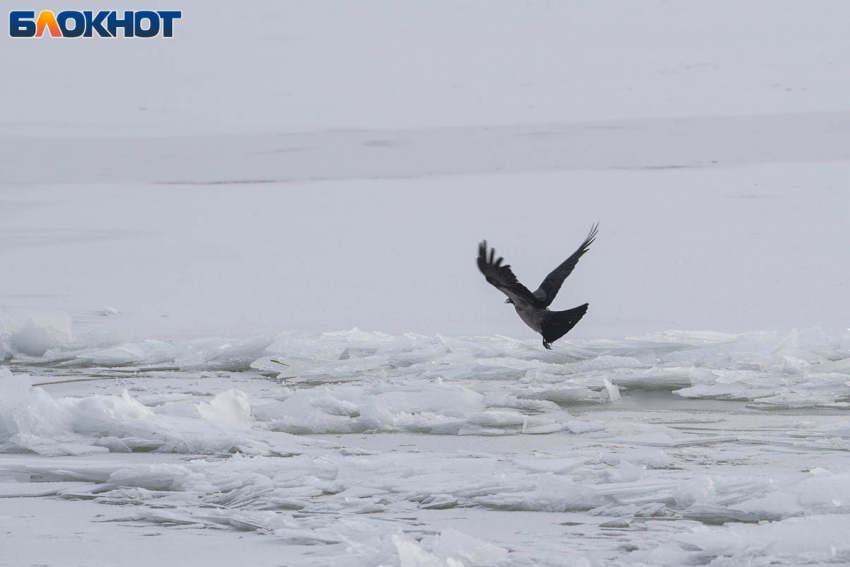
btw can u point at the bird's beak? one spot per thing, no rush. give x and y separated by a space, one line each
508 300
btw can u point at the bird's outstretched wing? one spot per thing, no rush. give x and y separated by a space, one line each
502 277
550 286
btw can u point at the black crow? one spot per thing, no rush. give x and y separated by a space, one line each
533 308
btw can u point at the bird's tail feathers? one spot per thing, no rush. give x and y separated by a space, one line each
559 323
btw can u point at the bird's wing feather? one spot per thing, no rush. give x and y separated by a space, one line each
502 277
550 286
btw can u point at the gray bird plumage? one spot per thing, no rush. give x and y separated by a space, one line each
533 308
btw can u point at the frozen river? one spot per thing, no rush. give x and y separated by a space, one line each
363 448
187 228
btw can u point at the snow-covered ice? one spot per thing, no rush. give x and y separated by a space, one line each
669 449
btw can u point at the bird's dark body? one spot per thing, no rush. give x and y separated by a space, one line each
533 308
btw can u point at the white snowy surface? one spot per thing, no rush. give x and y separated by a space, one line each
751 248
186 225
307 66
362 448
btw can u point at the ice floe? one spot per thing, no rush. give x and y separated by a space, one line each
768 370
359 445
31 420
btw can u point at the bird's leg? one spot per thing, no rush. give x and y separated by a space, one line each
547 345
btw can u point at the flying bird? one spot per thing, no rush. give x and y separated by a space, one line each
533 308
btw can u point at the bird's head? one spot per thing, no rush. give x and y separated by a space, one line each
509 300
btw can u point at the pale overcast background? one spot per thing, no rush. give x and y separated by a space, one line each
325 165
